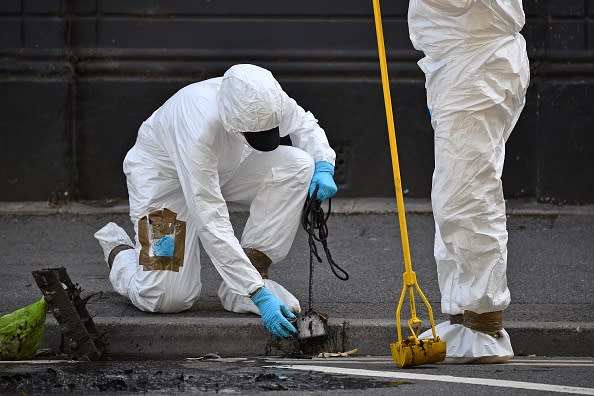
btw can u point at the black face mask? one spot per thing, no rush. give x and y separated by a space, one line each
263 140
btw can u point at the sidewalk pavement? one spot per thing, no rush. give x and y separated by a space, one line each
550 275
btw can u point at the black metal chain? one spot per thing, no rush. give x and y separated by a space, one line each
314 221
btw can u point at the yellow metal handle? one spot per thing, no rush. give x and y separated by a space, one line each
409 277
392 135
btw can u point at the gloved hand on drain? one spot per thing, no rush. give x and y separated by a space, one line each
274 313
323 178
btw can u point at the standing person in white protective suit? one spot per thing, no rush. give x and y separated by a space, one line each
212 142
477 72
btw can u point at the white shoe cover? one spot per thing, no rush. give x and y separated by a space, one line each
243 304
465 346
110 236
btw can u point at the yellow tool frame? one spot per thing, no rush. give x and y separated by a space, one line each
412 351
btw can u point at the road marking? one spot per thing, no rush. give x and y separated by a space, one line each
349 360
37 361
553 360
444 378
551 364
388 360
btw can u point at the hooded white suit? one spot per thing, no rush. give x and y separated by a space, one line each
477 73
190 158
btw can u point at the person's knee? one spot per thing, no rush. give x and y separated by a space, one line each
165 300
307 168
176 302
302 163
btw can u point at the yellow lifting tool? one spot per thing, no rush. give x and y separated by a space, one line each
412 351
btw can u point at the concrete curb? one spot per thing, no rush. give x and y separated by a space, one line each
177 338
339 206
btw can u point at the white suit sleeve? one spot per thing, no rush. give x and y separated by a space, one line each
304 131
196 164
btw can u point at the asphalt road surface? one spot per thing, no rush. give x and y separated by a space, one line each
332 376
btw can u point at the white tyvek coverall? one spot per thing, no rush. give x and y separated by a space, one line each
191 158
477 73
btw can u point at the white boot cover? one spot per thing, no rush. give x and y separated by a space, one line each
110 236
466 346
243 304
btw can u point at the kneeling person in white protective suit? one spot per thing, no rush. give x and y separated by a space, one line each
477 73
213 142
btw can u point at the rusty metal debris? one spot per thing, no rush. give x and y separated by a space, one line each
80 338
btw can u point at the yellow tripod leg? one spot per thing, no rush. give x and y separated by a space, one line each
412 351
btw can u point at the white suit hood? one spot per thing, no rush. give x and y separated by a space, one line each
250 99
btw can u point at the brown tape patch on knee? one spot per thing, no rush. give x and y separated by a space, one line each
489 322
156 225
259 260
457 319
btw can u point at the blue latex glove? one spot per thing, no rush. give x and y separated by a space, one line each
274 313
164 246
323 178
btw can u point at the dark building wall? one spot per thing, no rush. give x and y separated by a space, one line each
78 77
